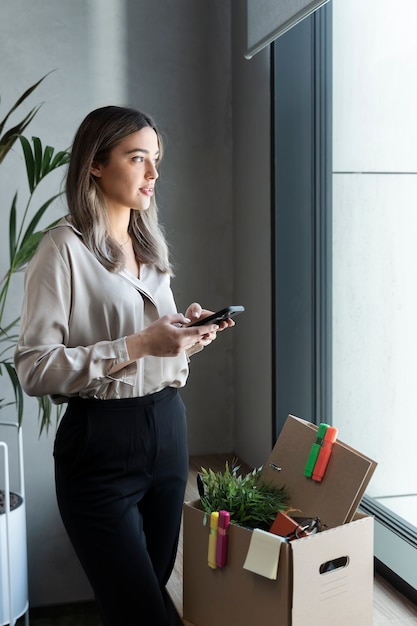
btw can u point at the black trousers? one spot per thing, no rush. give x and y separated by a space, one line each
121 467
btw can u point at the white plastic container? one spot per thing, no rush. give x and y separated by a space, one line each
13 546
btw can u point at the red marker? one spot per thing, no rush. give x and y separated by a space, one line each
221 547
324 454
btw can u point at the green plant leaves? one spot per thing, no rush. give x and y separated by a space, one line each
12 228
45 414
18 392
29 238
39 162
24 236
26 251
9 137
250 501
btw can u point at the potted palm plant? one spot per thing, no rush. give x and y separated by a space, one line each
24 235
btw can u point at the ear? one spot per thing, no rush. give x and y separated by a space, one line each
95 169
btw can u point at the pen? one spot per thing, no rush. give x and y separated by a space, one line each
200 485
315 449
211 557
221 546
275 467
324 454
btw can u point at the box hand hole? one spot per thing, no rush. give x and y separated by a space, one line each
334 564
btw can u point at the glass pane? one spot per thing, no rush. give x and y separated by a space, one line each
375 242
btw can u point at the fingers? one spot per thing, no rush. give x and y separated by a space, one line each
190 335
178 319
194 311
226 323
198 332
172 334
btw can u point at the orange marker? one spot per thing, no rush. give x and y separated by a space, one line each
324 454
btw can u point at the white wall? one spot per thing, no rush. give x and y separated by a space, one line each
173 59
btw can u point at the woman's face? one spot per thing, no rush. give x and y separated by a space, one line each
128 178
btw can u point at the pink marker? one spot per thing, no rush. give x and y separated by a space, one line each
221 546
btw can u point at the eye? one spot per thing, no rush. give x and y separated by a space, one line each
138 159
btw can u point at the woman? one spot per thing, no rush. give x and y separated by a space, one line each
100 330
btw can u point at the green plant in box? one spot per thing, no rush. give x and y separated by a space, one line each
250 500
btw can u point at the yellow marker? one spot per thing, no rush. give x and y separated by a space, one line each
214 522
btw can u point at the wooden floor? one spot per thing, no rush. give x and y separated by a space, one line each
390 607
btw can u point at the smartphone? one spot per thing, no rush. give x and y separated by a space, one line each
220 316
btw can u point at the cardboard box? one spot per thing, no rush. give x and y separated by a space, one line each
325 579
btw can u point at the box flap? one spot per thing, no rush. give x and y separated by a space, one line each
334 499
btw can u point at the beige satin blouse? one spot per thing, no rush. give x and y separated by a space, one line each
75 317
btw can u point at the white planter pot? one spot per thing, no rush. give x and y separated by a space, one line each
13 551
18 565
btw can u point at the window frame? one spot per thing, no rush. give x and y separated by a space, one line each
301 227
301 222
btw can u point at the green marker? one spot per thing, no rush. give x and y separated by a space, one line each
315 449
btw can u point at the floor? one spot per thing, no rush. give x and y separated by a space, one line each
391 608
82 614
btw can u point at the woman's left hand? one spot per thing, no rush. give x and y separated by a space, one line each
195 312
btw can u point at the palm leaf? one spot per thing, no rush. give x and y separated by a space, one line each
30 162
38 216
61 158
39 162
18 392
3 404
37 158
45 414
10 136
10 341
6 329
26 250
22 98
12 229
46 161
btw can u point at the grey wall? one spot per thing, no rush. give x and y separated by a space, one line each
252 252
173 59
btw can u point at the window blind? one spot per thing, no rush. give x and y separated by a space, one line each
268 19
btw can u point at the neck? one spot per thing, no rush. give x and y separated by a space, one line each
119 225
123 243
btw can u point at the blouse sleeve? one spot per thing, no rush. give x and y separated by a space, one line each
45 361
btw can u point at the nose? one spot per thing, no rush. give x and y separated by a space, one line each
152 172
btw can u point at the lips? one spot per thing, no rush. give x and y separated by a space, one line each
148 191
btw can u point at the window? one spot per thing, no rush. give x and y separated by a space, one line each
345 228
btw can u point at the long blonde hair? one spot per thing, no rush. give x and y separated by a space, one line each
97 135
